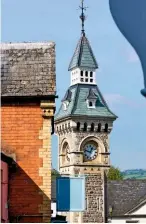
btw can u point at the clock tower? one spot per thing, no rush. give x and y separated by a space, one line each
83 124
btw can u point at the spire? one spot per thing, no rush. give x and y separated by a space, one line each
83 56
82 16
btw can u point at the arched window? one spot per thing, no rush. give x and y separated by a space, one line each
106 127
86 73
85 127
92 127
99 127
81 73
78 126
90 104
65 151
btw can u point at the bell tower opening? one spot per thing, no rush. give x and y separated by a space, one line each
84 77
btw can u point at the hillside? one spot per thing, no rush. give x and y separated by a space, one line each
134 174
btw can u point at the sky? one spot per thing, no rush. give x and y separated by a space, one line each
119 76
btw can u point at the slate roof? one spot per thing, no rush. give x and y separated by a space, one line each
125 195
67 96
83 56
28 69
78 105
91 95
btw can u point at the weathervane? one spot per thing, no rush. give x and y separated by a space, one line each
82 16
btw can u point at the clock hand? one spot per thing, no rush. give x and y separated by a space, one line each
87 150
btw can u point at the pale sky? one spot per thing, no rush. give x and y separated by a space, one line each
119 76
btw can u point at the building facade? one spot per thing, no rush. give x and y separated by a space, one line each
28 81
83 124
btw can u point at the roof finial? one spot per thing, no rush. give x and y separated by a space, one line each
82 16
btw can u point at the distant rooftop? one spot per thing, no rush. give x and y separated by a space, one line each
125 195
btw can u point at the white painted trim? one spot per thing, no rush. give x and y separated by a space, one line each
77 78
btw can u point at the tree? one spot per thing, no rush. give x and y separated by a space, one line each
114 174
54 173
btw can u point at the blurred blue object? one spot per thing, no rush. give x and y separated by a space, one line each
70 194
130 17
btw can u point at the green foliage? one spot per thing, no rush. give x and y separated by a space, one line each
54 173
114 174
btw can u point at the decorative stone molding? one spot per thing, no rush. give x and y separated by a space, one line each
48 109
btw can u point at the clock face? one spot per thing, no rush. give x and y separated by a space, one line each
90 151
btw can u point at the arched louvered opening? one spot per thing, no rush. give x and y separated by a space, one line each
81 73
91 74
86 73
99 127
92 127
78 126
65 151
106 127
85 127
106 150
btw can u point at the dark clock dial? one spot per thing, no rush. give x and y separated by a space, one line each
90 151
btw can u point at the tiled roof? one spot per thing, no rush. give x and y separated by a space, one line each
83 56
28 69
78 104
125 195
67 96
91 94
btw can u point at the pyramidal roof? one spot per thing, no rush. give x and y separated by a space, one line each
78 105
83 56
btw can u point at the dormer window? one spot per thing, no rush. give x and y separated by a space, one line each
91 103
65 105
91 99
66 100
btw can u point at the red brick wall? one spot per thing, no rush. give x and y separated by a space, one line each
20 135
